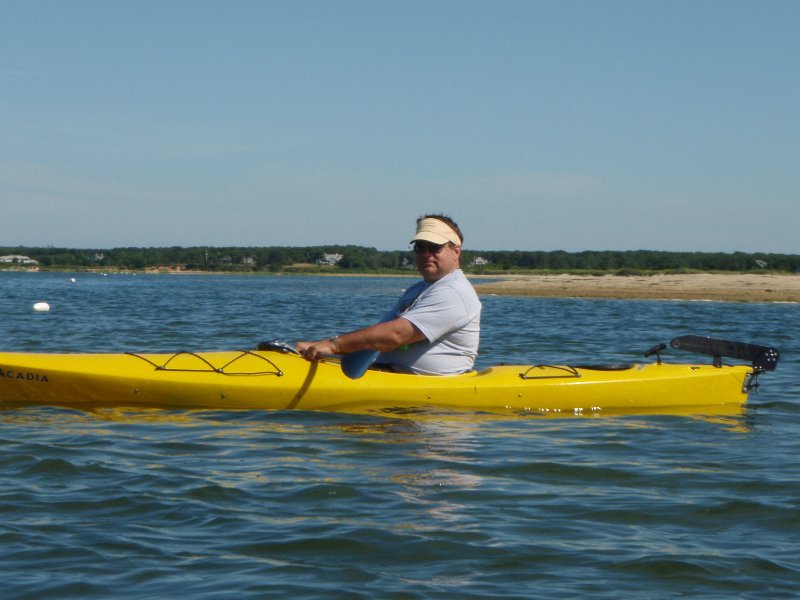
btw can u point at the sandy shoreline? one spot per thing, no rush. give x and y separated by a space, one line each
699 286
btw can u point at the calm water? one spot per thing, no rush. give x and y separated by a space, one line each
155 504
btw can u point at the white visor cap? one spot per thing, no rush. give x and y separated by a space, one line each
436 232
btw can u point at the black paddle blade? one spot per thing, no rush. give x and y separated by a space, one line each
763 358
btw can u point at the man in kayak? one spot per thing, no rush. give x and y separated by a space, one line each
434 328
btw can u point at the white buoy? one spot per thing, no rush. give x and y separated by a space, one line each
72 279
41 307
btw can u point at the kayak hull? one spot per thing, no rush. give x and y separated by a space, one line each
265 380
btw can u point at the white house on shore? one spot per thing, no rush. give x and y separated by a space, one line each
330 259
18 259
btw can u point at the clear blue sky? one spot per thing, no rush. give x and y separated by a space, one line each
538 125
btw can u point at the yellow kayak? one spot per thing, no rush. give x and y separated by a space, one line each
272 378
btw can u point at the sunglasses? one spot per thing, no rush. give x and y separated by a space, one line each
428 248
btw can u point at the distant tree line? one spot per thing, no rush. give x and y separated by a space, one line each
643 260
360 259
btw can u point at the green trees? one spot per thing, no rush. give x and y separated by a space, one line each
278 259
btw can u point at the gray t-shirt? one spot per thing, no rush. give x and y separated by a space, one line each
448 313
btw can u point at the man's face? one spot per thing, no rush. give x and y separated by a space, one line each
434 261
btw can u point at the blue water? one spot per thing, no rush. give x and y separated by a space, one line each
215 504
